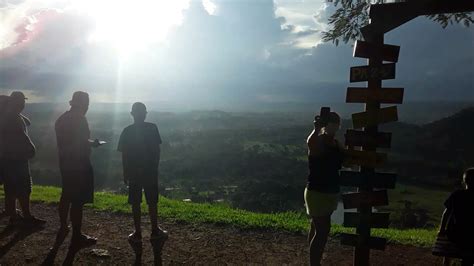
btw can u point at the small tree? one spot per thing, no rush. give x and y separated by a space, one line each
351 15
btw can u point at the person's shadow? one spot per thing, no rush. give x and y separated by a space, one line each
49 260
157 246
19 236
138 250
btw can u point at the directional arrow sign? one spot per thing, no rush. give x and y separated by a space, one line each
376 180
370 50
383 95
366 73
357 138
376 243
365 158
359 199
376 220
379 116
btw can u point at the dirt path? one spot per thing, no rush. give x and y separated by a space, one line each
188 244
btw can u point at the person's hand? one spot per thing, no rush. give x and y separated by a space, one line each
318 122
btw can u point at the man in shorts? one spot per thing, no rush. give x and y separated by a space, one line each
74 149
17 149
140 147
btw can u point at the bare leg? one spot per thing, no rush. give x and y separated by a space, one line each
25 205
10 205
311 232
137 215
322 227
76 220
63 210
153 212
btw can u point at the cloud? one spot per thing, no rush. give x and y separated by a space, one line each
243 51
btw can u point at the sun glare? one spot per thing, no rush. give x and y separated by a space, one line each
131 25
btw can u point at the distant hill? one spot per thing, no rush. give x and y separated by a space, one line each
449 138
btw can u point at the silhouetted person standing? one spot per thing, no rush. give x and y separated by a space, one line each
325 156
458 218
140 147
17 149
74 149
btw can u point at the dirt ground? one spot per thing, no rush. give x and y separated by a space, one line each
187 244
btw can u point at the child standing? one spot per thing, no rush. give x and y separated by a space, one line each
140 147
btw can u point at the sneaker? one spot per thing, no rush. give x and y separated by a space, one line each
159 234
135 238
83 241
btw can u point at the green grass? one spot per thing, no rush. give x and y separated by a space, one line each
223 215
422 198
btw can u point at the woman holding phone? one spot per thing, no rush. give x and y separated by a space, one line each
325 156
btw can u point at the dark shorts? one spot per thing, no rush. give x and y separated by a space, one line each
16 177
78 186
135 189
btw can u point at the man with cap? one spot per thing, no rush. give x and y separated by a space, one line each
17 149
74 149
140 147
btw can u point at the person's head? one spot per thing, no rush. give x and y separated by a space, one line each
16 102
333 124
468 178
80 102
138 112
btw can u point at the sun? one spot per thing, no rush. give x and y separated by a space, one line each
132 25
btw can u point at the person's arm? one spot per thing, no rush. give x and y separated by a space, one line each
315 144
121 148
125 160
444 220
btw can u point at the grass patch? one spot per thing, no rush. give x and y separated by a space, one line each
220 214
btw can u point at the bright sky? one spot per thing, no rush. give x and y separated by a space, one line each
211 50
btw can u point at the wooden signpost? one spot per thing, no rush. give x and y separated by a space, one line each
364 95
376 180
366 73
357 138
383 18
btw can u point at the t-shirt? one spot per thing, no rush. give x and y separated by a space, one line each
140 145
15 142
72 136
461 203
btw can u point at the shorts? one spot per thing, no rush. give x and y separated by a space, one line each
135 189
78 186
16 177
320 204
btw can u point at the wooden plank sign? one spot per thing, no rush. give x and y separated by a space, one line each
380 116
385 52
366 73
376 220
374 198
383 95
376 180
376 243
357 138
365 158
